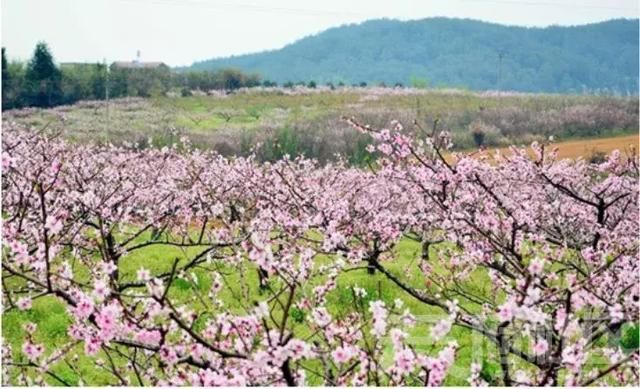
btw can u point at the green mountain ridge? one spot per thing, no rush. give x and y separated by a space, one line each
463 53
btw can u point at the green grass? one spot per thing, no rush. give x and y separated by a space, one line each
52 319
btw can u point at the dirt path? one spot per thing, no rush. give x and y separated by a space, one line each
587 147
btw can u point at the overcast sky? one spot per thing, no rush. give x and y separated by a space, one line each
179 32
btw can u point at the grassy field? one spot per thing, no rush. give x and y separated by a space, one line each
310 122
53 320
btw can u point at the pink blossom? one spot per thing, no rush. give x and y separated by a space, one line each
385 148
561 320
148 337
441 329
24 303
522 377
83 309
92 345
299 349
53 225
507 311
475 379
380 313
32 351
108 267
168 355
320 316
101 289
536 266
30 328
616 312
156 287
404 361
107 320
7 160
540 347
143 275
397 337
408 319
216 284
262 310
343 354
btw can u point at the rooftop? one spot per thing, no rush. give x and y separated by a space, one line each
138 65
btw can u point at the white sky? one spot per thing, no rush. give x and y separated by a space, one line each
179 32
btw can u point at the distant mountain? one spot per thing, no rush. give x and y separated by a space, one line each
457 53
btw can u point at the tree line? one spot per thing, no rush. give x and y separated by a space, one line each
41 82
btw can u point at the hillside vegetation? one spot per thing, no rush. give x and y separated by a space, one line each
457 53
273 122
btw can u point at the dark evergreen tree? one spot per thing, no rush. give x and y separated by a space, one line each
43 86
6 81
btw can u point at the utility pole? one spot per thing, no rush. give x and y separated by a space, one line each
106 85
499 69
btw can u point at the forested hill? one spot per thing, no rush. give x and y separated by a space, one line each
457 53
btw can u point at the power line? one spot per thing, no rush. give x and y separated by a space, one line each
249 7
253 7
263 8
552 4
